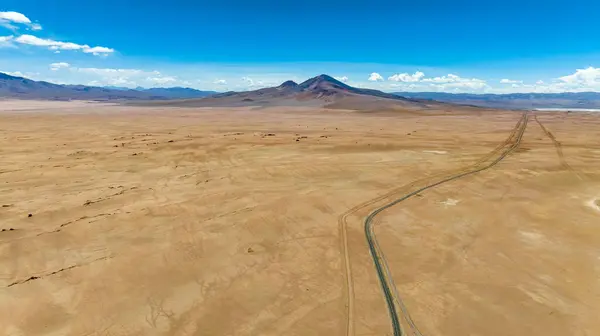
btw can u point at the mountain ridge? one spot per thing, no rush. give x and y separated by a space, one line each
322 90
532 100
24 88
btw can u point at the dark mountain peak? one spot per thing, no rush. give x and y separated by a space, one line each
321 80
327 86
327 78
288 84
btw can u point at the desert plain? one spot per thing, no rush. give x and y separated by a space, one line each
125 220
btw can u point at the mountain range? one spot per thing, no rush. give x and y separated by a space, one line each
319 91
23 88
565 100
322 90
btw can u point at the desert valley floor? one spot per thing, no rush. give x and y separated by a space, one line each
122 220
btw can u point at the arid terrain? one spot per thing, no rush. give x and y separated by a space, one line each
124 220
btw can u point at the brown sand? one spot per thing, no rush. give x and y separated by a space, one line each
225 222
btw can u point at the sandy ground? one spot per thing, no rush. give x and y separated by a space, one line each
154 221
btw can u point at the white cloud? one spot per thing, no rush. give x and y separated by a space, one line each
14 17
342 79
6 41
26 74
161 80
116 72
57 45
7 25
8 19
587 79
448 83
510 81
407 78
375 77
120 77
249 81
59 65
15 73
252 83
98 51
220 82
443 79
456 83
116 81
589 76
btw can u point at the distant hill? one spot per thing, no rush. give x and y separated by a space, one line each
170 93
321 90
121 88
23 88
178 92
514 100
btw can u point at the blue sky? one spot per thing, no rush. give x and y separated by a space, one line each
427 45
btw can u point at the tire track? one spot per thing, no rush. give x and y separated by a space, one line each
343 220
557 146
379 260
513 140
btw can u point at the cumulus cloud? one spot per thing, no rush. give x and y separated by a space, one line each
120 77
510 81
58 45
449 83
587 79
450 78
375 77
161 80
407 78
588 76
453 82
59 65
14 17
220 82
10 19
342 79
